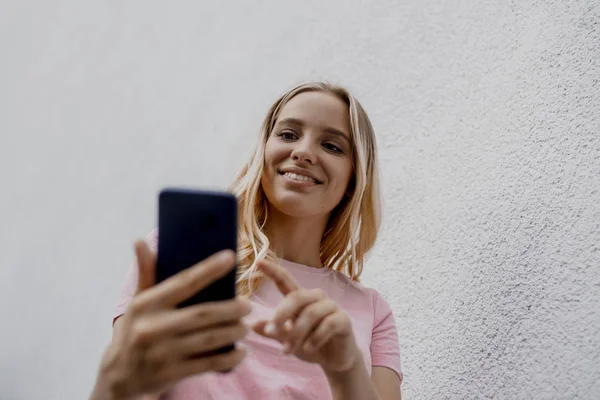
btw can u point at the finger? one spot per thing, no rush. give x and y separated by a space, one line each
331 325
307 322
259 327
146 261
184 347
180 287
201 316
293 304
219 362
281 335
284 281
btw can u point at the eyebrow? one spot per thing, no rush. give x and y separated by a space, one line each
328 129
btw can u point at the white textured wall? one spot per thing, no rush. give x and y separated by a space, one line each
489 134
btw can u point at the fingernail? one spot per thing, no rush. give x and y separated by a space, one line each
270 329
287 347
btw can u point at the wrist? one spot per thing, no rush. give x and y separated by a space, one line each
352 383
349 369
107 387
102 387
101 391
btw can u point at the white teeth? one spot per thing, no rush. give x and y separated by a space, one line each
298 177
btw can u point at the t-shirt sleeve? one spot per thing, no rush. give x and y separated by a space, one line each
385 347
130 282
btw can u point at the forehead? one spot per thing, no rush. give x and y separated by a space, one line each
321 109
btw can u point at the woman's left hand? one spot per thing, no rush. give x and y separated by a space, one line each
309 324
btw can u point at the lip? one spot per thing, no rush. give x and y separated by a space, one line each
299 171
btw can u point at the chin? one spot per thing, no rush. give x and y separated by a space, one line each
295 205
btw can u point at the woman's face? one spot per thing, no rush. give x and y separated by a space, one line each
308 156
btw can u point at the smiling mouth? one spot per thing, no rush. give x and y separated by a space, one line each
299 178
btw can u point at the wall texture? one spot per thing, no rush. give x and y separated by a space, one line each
489 137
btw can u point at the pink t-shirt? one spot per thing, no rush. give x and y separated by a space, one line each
266 373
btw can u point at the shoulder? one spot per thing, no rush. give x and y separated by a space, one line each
379 301
380 307
359 289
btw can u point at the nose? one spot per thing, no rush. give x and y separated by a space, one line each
303 152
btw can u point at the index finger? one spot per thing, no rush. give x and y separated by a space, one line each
190 281
284 281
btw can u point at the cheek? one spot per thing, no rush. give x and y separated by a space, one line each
347 172
343 175
274 152
268 151
269 159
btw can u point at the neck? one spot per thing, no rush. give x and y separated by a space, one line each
296 239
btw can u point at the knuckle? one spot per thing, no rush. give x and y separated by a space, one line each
341 321
296 296
329 324
142 333
137 305
332 305
210 339
156 357
346 321
201 312
311 313
283 309
278 318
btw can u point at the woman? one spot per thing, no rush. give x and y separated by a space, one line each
309 212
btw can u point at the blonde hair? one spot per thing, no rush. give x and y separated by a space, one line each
353 225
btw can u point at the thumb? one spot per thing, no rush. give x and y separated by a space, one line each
146 261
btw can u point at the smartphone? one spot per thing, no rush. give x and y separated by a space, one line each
192 226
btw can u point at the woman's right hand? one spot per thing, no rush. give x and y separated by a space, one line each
159 344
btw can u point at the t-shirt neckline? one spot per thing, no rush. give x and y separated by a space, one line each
304 268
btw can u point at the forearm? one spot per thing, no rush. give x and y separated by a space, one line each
354 384
100 391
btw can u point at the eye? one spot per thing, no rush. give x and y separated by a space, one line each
288 135
333 148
